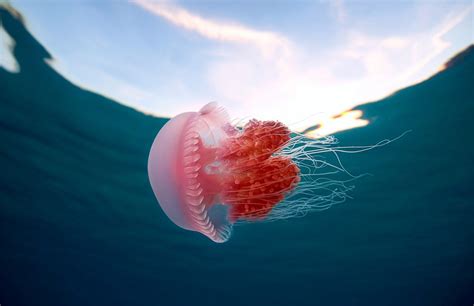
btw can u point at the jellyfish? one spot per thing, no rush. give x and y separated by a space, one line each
209 174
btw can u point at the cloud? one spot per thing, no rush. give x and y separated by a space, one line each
265 74
403 60
269 43
437 43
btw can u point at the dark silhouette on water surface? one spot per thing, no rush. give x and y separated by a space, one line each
79 224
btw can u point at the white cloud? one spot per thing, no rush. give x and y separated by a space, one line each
426 51
395 42
269 43
264 74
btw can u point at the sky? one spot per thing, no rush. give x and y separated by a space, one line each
299 62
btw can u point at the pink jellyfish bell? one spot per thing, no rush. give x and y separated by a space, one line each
207 174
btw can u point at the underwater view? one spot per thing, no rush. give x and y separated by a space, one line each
375 210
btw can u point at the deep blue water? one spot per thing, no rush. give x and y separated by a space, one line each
79 224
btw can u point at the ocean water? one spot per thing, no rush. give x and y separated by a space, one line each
79 224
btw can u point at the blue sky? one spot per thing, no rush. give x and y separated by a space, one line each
293 61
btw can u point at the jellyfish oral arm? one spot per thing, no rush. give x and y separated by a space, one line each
255 180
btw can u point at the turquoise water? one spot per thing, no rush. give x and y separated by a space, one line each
79 224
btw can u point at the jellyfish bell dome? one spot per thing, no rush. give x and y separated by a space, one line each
173 169
206 174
